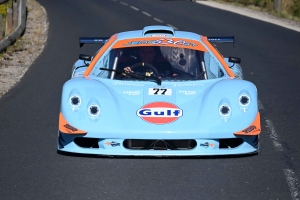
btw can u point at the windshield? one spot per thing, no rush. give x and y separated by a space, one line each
166 63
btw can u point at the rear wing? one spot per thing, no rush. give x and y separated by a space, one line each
227 39
92 40
103 40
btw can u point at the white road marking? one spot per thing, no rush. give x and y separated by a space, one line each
125 4
172 26
145 13
273 135
158 20
292 182
134 8
290 175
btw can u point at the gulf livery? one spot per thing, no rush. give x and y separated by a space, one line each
158 92
159 112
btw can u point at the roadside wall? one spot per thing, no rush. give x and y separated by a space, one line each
11 38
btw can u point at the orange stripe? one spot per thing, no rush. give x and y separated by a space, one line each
253 129
218 55
99 54
165 42
66 128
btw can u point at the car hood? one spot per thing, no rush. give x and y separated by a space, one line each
124 104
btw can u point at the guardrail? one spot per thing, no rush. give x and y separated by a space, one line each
11 38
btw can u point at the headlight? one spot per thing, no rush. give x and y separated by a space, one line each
94 110
224 110
244 100
75 101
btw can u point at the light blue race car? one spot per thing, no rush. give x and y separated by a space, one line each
158 92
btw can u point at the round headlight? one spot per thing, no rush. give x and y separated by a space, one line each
224 110
75 101
94 110
244 100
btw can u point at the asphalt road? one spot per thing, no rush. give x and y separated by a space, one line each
30 167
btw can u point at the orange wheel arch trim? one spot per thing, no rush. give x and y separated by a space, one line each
66 128
99 54
217 54
253 129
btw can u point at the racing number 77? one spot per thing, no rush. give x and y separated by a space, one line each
159 91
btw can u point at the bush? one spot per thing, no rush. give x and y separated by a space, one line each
289 8
267 4
296 9
4 6
3 9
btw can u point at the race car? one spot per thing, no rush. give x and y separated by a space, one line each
158 92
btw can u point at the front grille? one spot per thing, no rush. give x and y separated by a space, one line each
86 142
135 144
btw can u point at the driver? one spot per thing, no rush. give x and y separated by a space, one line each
152 56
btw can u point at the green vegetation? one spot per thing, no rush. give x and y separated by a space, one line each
3 13
289 8
3 8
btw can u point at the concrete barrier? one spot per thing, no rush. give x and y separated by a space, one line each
8 40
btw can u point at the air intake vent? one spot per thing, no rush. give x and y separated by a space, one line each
159 30
135 144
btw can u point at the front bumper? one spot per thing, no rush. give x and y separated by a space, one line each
161 147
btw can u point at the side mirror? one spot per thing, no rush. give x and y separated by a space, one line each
85 57
234 60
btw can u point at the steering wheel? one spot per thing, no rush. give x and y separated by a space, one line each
145 65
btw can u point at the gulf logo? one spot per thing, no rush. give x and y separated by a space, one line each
159 112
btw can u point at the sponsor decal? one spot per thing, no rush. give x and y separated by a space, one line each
68 126
187 92
206 145
187 84
127 84
250 129
159 35
256 130
159 112
162 41
112 143
134 93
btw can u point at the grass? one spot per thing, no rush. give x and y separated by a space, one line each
3 8
37 31
16 46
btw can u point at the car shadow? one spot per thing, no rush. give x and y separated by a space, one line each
156 157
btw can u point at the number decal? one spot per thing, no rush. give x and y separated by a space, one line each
156 90
164 91
160 91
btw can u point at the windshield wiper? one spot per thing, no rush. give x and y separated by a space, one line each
141 77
